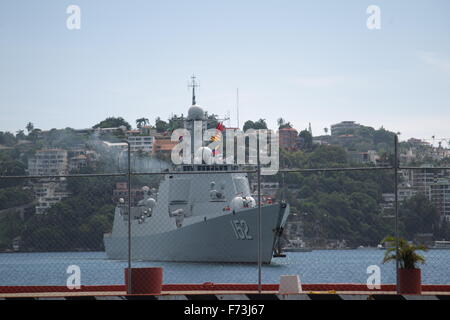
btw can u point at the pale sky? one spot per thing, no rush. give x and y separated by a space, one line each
305 61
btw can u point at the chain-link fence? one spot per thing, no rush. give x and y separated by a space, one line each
60 232
334 232
221 224
423 215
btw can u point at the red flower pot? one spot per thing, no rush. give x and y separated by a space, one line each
144 280
409 281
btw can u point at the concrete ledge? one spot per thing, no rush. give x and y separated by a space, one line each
223 292
205 296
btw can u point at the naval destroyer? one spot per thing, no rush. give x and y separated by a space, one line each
200 213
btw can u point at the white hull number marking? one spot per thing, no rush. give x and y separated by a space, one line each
240 228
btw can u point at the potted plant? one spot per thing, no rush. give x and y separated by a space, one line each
409 275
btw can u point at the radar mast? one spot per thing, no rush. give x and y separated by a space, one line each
193 85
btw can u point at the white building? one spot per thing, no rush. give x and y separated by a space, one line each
49 193
433 183
48 162
408 157
440 197
81 158
404 193
115 145
344 127
77 162
142 143
422 179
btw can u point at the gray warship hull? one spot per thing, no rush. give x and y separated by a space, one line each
228 237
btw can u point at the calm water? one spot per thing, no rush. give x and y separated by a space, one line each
322 266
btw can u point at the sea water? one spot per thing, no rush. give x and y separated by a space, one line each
319 266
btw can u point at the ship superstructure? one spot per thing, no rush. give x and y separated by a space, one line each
201 212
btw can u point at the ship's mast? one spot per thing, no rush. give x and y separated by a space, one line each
237 106
193 85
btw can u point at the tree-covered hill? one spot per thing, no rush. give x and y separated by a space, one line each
333 206
338 206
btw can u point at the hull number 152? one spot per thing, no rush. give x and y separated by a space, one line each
241 230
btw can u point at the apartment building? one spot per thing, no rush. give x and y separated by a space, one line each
141 143
440 197
48 194
48 162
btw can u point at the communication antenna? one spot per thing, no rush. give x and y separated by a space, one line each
237 106
193 84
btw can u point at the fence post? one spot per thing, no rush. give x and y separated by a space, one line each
129 289
396 166
259 216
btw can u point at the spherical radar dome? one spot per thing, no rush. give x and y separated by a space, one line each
196 113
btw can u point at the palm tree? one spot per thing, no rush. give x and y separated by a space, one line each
407 256
20 135
326 130
141 122
29 127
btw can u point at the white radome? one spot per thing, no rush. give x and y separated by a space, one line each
239 203
251 202
150 203
196 113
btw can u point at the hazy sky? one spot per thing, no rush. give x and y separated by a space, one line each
305 61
